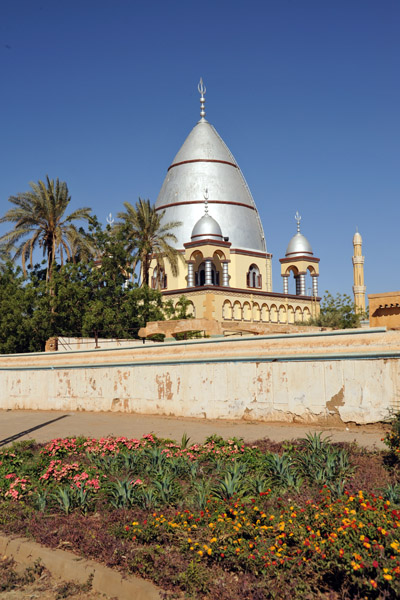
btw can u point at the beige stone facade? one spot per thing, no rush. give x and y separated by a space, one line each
241 290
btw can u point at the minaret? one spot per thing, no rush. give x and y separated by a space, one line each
358 274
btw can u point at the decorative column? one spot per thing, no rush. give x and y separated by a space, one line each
315 285
286 283
190 274
302 278
208 271
225 273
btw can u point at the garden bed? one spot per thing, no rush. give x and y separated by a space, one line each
221 520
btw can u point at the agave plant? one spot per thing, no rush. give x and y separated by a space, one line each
392 493
322 463
280 471
122 493
148 498
156 458
166 488
202 489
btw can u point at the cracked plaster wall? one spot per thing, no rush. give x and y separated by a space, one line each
360 391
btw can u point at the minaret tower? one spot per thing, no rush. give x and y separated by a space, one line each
358 273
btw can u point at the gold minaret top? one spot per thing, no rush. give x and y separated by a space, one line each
358 274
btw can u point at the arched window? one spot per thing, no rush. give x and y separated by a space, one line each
237 311
290 314
282 314
227 311
246 311
256 312
159 279
298 315
273 314
253 277
264 313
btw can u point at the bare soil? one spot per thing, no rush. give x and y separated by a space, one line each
36 582
17 425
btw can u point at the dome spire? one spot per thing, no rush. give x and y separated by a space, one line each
202 90
298 219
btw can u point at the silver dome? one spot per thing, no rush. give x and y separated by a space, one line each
205 162
298 246
206 228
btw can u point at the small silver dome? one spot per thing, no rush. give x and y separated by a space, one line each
206 228
298 246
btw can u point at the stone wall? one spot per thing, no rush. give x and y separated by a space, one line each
314 377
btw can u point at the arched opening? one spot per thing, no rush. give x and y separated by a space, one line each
292 280
185 308
253 277
290 314
159 279
282 314
218 256
200 275
256 312
273 314
227 312
264 313
298 315
246 311
306 314
237 311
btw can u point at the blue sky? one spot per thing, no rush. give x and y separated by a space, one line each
306 94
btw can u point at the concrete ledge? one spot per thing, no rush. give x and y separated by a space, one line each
70 567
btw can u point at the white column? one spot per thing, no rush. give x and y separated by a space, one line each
315 285
190 274
285 284
302 277
225 273
208 279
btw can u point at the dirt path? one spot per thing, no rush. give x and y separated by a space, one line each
43 426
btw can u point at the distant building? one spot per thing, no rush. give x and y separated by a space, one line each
358 274
384 310
227 275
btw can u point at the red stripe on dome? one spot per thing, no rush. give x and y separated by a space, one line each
208 160
164 206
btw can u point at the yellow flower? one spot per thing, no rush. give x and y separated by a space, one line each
209 551
200 552
388 577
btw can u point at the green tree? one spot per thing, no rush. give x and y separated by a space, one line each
24 310
148 238
39 220
337 312
96 299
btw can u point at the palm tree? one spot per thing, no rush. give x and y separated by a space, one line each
148 238
39 217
